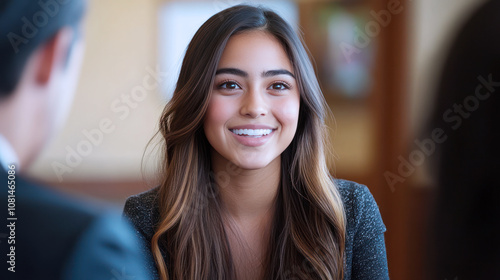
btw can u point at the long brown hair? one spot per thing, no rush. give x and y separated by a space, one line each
308 231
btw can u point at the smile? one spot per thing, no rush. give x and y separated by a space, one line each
255 133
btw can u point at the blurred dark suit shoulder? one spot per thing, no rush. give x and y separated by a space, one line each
59 237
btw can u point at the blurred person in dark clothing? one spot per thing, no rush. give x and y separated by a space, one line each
466 226
44 234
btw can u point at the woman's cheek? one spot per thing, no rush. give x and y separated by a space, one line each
289 111
219 111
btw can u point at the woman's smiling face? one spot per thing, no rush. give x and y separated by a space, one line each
254 108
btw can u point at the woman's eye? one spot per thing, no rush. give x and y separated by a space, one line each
229 85
279 86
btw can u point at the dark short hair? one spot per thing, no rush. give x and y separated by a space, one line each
25 25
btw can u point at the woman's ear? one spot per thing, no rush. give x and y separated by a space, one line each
53 55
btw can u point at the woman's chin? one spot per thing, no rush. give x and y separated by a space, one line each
254 163
251 165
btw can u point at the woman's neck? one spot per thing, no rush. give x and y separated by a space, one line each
247 195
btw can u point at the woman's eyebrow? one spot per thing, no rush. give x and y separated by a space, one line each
234 71
271 73
239 72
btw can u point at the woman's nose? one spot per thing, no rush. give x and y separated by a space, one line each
254 104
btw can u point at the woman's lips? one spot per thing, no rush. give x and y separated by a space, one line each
251 132
252 137
252 126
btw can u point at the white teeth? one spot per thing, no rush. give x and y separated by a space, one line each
252 132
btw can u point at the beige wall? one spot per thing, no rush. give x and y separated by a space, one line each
433 24
121 45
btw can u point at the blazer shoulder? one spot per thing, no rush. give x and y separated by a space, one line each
360 207
142 211
107 247
350 190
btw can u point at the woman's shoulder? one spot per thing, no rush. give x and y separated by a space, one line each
142 210
365 254
360 207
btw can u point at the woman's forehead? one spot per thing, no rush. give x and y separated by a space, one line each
255 50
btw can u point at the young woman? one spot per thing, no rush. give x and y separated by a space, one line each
246 192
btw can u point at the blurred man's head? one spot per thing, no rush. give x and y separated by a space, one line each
40 56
